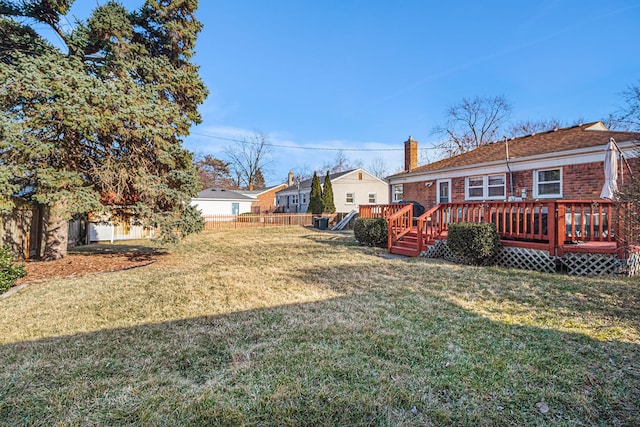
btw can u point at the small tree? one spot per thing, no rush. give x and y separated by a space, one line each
327 195
315 198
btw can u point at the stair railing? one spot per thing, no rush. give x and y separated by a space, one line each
400 223
429 225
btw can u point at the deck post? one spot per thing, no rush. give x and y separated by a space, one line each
551 227
560 228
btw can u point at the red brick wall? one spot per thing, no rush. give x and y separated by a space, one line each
583 181
266 201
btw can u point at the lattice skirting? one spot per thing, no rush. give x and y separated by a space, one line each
572 263
632 265
585 264
526 259
508 257
439 250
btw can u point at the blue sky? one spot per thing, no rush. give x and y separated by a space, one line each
367 74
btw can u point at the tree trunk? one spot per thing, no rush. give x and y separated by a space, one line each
56 235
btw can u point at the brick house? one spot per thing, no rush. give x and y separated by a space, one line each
561 164
264 201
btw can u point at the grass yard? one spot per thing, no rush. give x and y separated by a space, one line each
298 327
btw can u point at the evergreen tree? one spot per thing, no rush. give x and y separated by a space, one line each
258 181
101 121
315 198
328 204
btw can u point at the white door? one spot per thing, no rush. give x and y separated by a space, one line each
443 191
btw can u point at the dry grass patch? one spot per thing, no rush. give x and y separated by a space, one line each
297 327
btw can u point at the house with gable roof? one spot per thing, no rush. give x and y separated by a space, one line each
565 163
351 189
541 191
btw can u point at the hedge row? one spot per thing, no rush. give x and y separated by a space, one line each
371 231
473 243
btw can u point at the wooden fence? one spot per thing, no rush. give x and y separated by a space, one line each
252 220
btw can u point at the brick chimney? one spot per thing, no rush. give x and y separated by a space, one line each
290 179
410 154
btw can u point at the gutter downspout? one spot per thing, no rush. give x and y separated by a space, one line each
506 146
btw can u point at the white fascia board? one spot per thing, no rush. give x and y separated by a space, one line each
219 200
539 161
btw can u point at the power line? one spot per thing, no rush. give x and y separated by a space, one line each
296 147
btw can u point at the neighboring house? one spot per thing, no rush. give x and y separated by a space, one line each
350 189
218 201
264 201
559 164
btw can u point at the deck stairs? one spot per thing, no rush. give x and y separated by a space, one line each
408 246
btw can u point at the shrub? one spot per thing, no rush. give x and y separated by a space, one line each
473 243
371 231
9 270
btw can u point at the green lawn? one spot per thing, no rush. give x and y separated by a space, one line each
298 327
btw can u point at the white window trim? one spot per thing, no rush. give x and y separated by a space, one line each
438 189
485 187
535 184
504 187
375 198
393 189
353 197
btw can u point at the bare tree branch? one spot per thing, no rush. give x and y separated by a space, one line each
250 157
472 123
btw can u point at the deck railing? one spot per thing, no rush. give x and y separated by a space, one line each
380 211
548 224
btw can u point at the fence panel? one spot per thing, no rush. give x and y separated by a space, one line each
251 221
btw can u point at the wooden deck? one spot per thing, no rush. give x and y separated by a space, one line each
557 226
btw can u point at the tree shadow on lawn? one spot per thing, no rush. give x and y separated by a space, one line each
366 358
137 250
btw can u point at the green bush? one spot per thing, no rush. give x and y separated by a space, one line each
473 243
371 231
9 270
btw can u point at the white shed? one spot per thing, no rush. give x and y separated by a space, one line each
219 201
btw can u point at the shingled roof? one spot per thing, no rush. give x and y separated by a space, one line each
581 136
221 194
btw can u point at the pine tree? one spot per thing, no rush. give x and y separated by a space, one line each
100 124
315 198
328 204
258 181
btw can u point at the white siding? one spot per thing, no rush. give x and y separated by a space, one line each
220 207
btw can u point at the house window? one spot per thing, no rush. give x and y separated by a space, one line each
304 198
496 186
235 208
372 198
547 183
485 187
294 199
350 198
475 187
397 193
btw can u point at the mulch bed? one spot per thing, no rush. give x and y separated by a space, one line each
82 264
